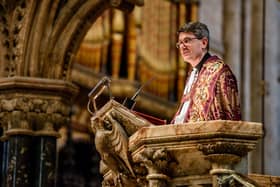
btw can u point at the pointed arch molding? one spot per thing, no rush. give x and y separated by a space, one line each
40 38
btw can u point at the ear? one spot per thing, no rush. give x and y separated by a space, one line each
204 42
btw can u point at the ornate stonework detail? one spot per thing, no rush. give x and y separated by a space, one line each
111 142
29 104
46 49
156 161
12 15
235 180
225 148
111 139
24 115
126 123
224 156
112 128
40 109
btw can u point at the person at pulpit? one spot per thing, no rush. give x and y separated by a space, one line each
211 91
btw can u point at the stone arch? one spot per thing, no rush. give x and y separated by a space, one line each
67 37
42 37
69 32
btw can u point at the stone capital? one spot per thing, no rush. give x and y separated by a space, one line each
33 106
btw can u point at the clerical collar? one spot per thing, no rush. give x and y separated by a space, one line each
199 65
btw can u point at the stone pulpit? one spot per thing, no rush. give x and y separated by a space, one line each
135 152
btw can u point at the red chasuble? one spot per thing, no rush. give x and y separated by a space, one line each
214 95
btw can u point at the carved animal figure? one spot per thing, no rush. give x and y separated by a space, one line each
111 142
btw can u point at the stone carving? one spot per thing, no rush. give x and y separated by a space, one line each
235 180
22 113
225 148
156 161
112 126
10 30
32 107
224 155
27 104
112 133
112 143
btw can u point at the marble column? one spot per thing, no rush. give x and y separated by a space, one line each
19 161
3 158
32 111
46 165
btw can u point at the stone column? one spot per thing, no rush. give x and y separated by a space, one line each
232 35
224 157
272 87
117 42
156 162
257 83
31 111
45 147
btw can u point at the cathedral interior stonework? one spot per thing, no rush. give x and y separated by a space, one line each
53 53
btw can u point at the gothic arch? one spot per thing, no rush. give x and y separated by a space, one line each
41 37
38 39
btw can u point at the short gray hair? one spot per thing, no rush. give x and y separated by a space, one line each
200 30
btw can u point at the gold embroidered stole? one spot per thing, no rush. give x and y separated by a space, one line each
202 92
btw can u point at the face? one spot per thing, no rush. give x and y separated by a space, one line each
191 48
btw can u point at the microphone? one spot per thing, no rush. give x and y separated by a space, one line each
130 102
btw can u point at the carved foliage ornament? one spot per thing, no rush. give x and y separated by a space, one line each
12 15
155 160
30 114
225 148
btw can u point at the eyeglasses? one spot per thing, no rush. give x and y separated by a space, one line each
185 41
